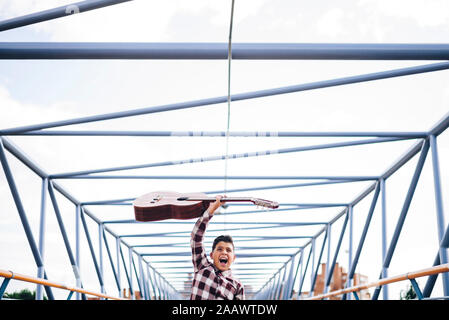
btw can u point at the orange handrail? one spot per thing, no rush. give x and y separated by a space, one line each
407 276
21 277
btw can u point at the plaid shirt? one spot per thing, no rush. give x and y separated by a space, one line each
209 283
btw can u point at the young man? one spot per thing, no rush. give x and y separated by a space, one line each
213 280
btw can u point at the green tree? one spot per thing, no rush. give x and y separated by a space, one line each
23 294
408 294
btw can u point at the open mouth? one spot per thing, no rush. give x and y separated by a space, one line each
223 261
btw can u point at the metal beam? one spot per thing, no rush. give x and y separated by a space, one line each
236 263
219 51
196 134
241 255
170 234
55 13
231 156
22 215
364 232
237 97
191 223
184 177
403 214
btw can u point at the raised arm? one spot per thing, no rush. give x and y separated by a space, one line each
199 256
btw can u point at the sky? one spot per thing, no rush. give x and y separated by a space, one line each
38 91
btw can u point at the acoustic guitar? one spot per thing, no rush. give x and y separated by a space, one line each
162 205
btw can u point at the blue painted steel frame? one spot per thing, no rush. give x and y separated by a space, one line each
8 145
423 147
22 214
214 51
161 288
55 13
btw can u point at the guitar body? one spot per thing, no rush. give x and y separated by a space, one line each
162 205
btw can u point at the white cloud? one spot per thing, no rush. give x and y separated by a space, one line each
17 113
12 9
426 13
331 22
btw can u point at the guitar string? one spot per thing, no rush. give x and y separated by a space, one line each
229 106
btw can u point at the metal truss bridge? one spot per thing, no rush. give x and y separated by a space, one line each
107 254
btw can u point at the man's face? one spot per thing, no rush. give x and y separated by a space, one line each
223 255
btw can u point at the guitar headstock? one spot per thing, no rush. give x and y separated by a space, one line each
265 203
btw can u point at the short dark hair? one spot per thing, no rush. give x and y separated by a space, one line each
224 238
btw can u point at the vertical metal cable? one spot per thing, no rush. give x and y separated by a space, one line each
229 102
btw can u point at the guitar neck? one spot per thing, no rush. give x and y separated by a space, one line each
231 199
258 202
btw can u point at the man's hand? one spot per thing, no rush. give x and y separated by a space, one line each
214 205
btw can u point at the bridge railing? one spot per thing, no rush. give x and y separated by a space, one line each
8 275
407 276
